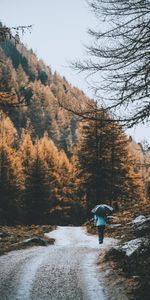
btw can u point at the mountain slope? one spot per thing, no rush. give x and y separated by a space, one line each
24 76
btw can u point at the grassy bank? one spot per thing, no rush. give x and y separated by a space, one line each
12 237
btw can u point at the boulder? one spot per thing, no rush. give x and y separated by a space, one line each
132 256
142 228
34 241
37 241
136 247
138 220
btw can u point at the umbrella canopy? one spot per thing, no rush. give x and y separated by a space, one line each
102 209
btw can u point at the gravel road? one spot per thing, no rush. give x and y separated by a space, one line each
66 270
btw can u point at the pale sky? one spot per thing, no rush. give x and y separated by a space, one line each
58 37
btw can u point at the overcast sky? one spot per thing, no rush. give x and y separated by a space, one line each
58 36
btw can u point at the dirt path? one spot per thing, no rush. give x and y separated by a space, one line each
66 270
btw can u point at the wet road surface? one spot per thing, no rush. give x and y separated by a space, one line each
66 270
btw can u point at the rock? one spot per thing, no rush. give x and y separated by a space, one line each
138 220
108 273
114 225
132 256
34 241
122 236
136 247
136 277
142 228
4 234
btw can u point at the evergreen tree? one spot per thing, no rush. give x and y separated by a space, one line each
49 154
26 152
67 207
11 183
59 180
104 168
37 192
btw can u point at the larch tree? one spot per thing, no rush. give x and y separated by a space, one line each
68 206
37 191
11 176
12 33
26 154
48 153
58 175
7 130
11 95
26 151
105 171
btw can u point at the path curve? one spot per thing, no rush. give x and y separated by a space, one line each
66 270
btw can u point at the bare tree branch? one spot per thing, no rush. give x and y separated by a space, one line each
119 57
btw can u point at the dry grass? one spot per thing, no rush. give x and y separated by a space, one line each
116 280
124 217
133 285
11 235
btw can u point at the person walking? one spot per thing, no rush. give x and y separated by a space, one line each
100 222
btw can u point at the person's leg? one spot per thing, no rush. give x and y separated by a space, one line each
101 233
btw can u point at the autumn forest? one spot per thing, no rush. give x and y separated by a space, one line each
60 154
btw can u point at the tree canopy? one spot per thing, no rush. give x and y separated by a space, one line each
9 98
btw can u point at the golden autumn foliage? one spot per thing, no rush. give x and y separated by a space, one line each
104 168
54 167
7 130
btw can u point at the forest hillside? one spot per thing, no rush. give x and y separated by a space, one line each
27 78
56 165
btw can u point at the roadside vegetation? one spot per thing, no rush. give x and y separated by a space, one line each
21 237
117 266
